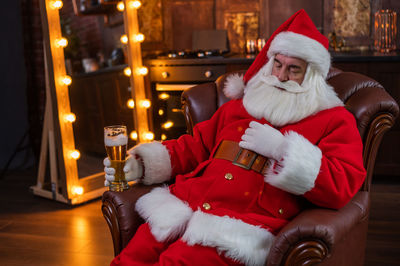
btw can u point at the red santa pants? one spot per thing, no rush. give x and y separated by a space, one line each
144 249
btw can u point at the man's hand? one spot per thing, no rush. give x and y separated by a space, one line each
133 170
264 140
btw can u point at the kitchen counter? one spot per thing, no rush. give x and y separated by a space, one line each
240 59
216 60
367 56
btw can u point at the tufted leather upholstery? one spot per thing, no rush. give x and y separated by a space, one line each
321 235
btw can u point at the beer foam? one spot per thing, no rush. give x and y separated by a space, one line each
117 140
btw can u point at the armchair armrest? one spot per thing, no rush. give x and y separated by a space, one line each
119 211
317 235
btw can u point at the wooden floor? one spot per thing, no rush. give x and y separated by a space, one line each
37 231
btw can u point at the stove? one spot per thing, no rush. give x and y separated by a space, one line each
173 71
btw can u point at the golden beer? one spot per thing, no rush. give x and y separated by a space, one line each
116 141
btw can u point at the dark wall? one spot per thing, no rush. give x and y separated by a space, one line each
13 82
280 11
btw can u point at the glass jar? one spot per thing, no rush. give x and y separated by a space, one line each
385 31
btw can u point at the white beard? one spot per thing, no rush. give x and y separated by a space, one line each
262 98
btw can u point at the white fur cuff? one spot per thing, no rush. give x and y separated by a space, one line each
299 169
156 162
166 214
234 86
237 240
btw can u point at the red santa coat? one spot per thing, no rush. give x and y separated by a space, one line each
240 215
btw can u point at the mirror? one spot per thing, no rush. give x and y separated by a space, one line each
86 90
95 59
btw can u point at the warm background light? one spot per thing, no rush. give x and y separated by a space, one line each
56 4
163 96
66 80
124 39
145 103
139 37
70 117
127 71
120 6
163 137
134 55
160 111
130 103
142 71
148 136
62 42
75 154
77 190
133 135
135 4
168 124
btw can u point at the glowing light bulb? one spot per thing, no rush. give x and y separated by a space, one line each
145 103
70 117
124 39
133 135
168 124
135 4
130 103
139 37
62 42
127 71
56 4
65 80
160 111
163 96
75 154
120 6
77 190
163 137
142 71
148 136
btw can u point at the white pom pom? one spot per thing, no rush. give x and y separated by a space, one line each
234 86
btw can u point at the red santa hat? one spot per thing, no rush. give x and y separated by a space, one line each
296 37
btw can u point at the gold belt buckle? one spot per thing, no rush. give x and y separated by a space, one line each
245 166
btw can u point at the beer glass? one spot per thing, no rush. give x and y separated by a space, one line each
116 142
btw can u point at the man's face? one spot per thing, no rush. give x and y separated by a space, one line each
289 68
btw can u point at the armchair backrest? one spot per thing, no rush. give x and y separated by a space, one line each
374 109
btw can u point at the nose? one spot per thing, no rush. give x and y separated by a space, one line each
283 75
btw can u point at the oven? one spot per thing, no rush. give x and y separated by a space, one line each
168 78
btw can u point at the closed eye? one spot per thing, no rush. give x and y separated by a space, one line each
277 63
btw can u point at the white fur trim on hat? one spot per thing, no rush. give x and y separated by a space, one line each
234 86
234 238
156 162
297 45
166 214
299 169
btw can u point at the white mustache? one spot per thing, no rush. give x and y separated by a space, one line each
289 86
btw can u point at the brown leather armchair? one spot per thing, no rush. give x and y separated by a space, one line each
316 235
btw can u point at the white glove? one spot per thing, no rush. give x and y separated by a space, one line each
264 140
133 170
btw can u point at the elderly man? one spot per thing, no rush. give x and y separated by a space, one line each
283 141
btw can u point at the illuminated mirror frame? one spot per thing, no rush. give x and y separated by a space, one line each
58 146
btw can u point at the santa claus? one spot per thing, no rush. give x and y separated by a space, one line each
283 141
